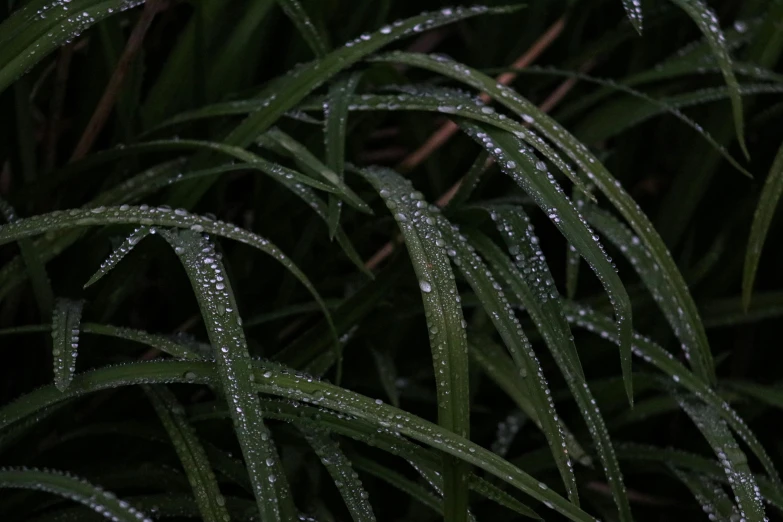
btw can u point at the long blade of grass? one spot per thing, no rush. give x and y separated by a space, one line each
71 488
66 321
710 495
730 456
597 173
707 21
525 377
531 282
224 327
119 253
211 504
35 265
342 473
665 361
768 202
519 163
336 122
296 13
444 320
281 382
633 8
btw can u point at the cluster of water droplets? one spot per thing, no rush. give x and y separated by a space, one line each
507 431
66 319
73 488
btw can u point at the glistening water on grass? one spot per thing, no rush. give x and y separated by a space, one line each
309 260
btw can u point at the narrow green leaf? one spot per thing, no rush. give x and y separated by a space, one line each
444 319
281 382
680 375
659 286
707 21
297 14
633 8
710 496
768 202
66 321
730 456
573 260
71 488
533 285
596 173
398 481
224 326
342 473
336 123
519 163
36 267
309 162
119 253
211 504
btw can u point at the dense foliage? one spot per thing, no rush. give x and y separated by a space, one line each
355 260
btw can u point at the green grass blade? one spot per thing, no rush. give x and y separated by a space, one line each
295 87
336 123
573 260
276 381
659 286
532 284
340 468
768 202
730 456
310 163
66 321
707 21
444 319
633 8
71 488
34 264
470 181
664 361
119 253
224 326
710 496
525 374
597 174
211 504
296 13
519 163
398 481
387 375
29 37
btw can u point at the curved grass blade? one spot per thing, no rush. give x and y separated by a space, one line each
161 216
297 14
444 319
519 163
336 123
532 283
713 500
66 321
665 361
119 253
398 481
596 172
211 504
524 381
224 326
707 21
730 456
35 265
40 27
768 201
309 162
657 284
678 459
572 256
71 488
339 467
633 8
281 382
294 87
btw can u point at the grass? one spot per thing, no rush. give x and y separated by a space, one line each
323 260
